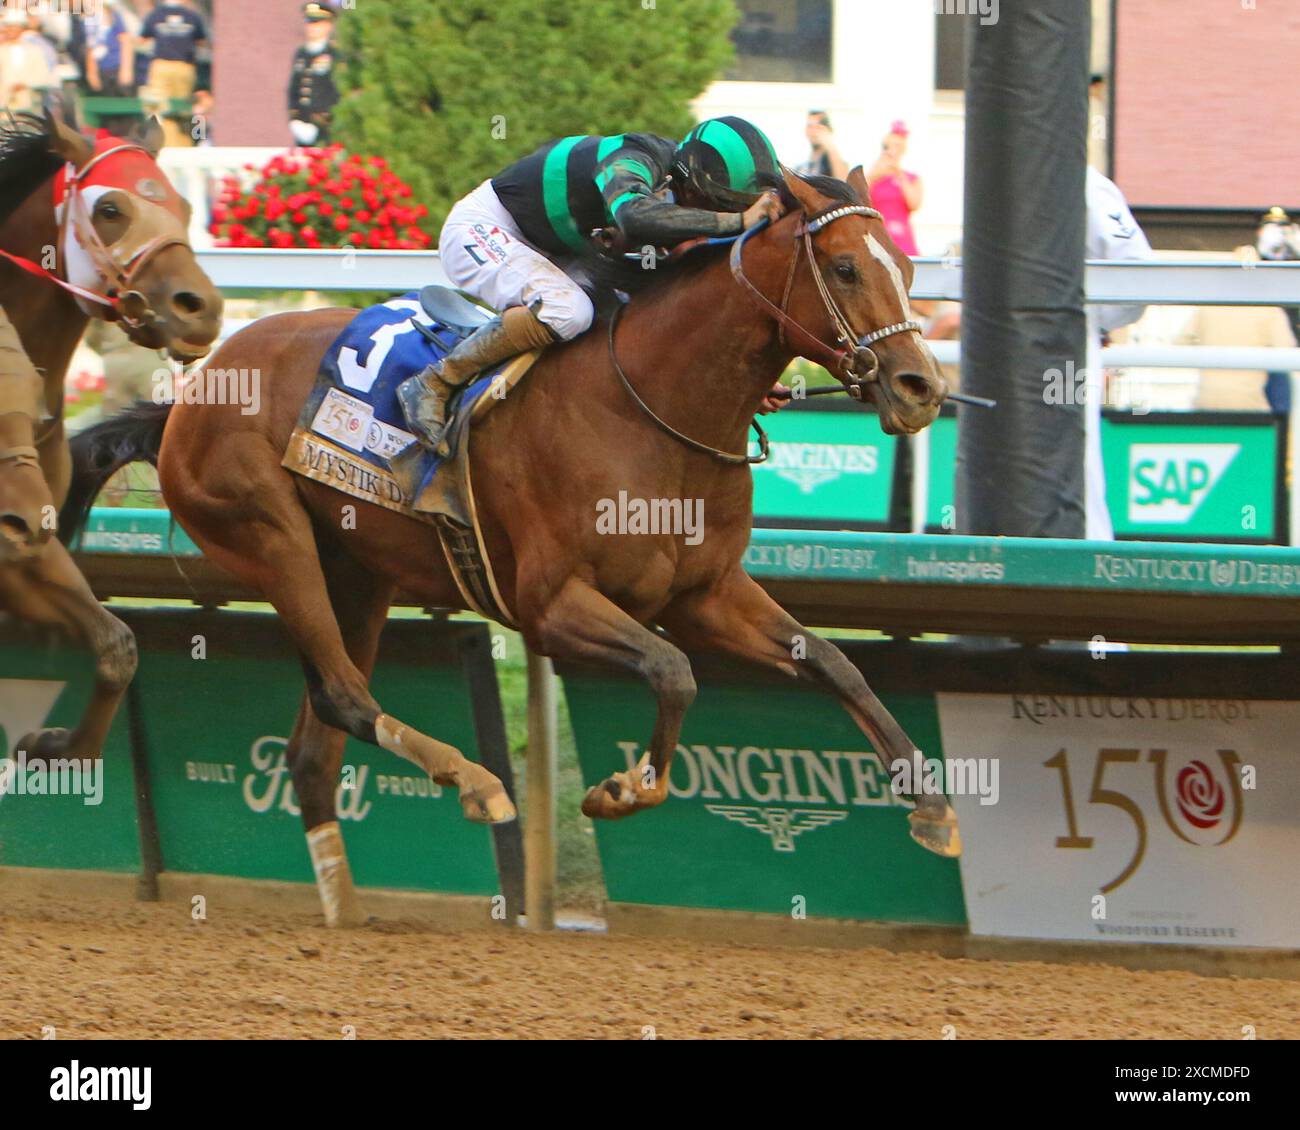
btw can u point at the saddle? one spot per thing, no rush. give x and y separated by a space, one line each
351 433
452 309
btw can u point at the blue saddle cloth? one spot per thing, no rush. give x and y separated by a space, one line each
354 401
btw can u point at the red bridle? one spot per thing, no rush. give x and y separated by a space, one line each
118 275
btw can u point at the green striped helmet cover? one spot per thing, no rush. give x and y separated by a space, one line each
730 154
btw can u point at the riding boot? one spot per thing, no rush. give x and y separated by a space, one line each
425 397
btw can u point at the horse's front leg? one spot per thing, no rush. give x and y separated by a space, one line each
737 617
579 623
51 590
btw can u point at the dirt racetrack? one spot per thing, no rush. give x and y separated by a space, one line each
105 968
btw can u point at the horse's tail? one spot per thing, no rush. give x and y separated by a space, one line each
102 450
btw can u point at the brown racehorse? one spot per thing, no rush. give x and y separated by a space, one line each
702 351
86 229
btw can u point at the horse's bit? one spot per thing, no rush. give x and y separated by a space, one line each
843 362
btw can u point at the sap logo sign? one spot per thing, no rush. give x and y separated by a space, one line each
1168 481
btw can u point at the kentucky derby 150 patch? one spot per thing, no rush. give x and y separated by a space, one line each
344 419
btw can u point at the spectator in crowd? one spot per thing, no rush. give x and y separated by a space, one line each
1112 233
1237 390
1278 240
313 92
143 58
1098 109
38 37
28 64
176 31
110 52
894 192
824 159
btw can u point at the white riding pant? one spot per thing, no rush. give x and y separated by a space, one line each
484 254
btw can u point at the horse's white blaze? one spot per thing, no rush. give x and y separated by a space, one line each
78 266
879 253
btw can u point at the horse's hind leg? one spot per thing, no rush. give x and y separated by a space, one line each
315 750
736 616
580 623
51 590
261 533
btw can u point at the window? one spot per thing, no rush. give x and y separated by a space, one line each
782 41
951 34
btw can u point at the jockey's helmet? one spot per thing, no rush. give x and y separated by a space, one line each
726 158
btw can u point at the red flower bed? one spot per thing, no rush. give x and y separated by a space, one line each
320 198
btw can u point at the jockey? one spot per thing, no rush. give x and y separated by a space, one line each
518 240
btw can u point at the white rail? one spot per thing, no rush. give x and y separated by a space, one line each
1155 283
1112 284
1253 357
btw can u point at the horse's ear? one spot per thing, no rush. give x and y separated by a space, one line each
150 135
810 200
68 143
858 182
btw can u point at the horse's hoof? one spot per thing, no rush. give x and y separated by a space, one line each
494 807
612 799
939 836
350 918
46 743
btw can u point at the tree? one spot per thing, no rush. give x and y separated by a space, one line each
452 91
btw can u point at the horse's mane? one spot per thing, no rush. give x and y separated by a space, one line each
631 278
26 160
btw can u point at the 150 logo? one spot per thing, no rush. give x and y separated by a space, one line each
1204 806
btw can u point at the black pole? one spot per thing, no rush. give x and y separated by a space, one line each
1020 469
146 817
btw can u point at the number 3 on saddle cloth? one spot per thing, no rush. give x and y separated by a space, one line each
351 433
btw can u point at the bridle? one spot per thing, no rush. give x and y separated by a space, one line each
843 362
119 270
118 266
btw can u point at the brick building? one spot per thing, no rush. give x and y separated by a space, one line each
253 45
1206 114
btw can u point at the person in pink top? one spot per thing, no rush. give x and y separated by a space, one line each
895 193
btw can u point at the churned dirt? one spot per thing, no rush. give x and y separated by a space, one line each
105 968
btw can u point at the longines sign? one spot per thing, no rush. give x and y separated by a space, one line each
776 803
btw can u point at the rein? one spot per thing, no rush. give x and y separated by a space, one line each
664 426
119 276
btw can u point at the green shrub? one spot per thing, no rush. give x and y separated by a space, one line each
452 91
